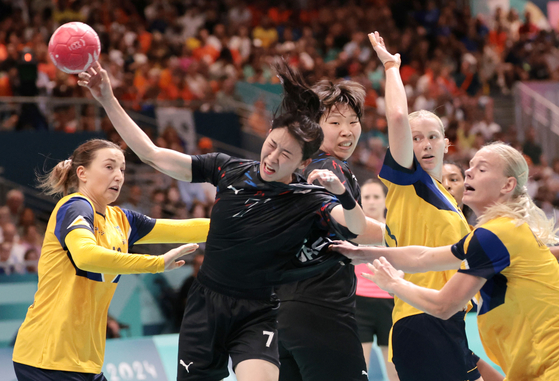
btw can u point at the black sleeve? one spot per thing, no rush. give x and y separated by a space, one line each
328 162
208 168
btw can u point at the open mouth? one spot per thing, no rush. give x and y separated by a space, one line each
267 170
468 187
428 157
345 144
114 189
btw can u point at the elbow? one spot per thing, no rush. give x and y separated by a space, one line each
443 312
149 156
80 262
359 229
397 116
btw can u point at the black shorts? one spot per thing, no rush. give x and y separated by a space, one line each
426 348
374 318
31 373
319 344
216 326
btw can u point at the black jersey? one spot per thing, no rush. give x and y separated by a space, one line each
335 287
257 227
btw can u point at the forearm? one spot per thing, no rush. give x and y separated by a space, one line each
413 259
89 256
373 234
130 132
355 220
170 162
433 302
193 230
399 132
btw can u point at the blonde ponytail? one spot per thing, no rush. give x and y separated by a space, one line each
523 210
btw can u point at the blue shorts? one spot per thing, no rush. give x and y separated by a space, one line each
31 373
426 348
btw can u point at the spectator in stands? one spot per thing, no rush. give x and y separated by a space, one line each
530 147
15 202
31 261
16 249
528 29
265 33
134 200
227 98
4 218
259 120
7 265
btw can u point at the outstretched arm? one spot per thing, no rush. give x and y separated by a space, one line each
399 133
444 303
170 162
89 256
410 259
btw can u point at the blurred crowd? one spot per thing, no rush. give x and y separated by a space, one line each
193 53
21 236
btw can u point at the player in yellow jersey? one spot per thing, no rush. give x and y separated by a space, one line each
507 261
84 252
420 211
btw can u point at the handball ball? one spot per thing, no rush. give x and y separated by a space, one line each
74 47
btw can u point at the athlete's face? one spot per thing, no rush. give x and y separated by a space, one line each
373 200
342 129
102 180
429 145
486 183
453 181
281 155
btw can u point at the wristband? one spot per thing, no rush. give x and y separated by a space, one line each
346 200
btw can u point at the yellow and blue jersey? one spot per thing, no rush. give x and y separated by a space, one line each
83 256
518 315
419 212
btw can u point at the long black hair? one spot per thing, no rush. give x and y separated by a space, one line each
300 110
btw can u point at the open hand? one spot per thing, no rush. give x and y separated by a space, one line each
355 253
384 274
97 81
171 256
378 45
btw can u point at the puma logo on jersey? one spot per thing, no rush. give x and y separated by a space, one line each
302 191
80 220
234 189
186 366
364 373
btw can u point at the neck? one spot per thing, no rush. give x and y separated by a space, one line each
436 174
100 207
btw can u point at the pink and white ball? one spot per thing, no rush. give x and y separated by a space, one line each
74 47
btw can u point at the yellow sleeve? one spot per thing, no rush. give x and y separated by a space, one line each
193 230
89 256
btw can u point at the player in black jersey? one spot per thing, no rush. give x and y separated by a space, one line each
317 328
262 214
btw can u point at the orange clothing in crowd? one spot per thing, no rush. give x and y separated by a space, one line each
279 17
5 87
145 39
